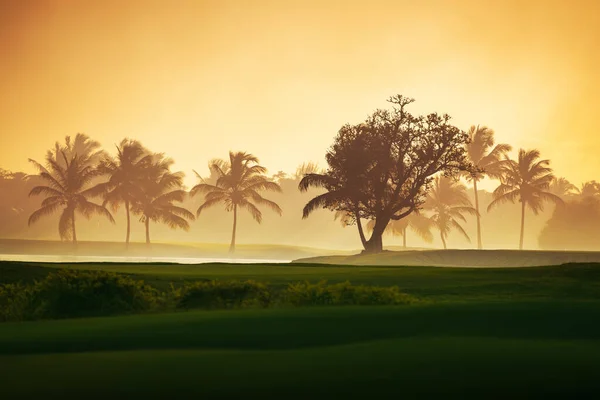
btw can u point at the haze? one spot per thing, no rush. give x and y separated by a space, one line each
196 79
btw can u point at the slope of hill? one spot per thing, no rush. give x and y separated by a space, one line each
158 250
460 258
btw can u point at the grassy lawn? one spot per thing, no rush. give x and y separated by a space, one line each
480 333
579 281
527 349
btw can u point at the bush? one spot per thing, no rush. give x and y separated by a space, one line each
13 301
72 293
308 294
219 294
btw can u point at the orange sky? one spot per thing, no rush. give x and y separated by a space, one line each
195 79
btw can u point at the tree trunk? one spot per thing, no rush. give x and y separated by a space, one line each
404 238
479 244
232 246
375 243
361 233
73 228
443 240
128 224
147 230
522 224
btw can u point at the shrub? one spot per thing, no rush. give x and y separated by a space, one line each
219 294
309 294
13 301
72 293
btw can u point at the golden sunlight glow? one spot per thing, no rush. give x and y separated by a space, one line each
195 79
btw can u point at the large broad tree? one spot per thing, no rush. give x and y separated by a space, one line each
381 169
416 221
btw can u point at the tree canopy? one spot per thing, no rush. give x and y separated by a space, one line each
381 169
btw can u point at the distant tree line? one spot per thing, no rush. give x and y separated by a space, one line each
398 170
77 171
395 171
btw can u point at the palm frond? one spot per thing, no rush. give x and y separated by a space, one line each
88 209
43 211
207 204
454 224
255 212
172 221
320 201
259 200
315 180
45 190
509 196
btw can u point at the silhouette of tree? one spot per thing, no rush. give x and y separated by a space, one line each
87 150
381 169
448 202
416 221
160 189
527 181
343 198
487 158
562 188
238 185
590 189
573 227
68 187
126 174
307 168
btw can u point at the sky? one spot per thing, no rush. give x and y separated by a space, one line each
195 79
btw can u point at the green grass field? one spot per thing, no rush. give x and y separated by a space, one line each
480 333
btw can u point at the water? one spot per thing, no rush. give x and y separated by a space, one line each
137 259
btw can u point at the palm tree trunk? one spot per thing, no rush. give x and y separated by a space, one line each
404 237
522 224
147 230
73 228
479 244
232 246
128 224
443 240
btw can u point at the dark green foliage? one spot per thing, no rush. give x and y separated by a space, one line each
322 293
223 294
13 301
72 293
242 294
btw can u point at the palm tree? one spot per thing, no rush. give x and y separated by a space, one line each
160 189
126 174
416 221
527 181
487 159
562 188
448 201
589 189
238 185
68 187
88 151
